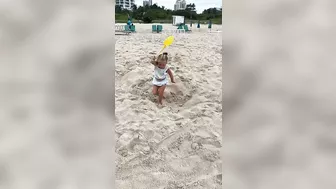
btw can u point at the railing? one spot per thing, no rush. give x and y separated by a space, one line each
172 31
120 30
119 27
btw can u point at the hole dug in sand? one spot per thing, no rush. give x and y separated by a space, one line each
175 93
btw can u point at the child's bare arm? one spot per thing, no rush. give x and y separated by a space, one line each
170 73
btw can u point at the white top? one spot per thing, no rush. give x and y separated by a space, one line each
159 73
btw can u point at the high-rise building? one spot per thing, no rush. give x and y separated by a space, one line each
125 4
147 2
180 5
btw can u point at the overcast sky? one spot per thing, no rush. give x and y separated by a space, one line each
200 4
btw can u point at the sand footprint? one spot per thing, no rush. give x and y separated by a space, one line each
133 142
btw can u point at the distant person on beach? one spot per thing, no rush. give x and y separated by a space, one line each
198 24
160 79
209 25
129 23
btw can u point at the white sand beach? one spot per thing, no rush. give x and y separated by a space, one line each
177 146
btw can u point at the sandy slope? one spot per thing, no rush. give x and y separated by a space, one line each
177 146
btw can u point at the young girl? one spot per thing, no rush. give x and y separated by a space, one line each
160 79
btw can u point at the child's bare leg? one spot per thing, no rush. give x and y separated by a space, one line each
155 90
161 91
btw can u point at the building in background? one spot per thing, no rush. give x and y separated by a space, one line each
180 5
125 4
147 2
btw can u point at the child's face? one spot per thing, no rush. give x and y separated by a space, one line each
162 64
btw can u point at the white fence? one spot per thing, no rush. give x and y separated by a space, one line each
174 31
120 30
119 27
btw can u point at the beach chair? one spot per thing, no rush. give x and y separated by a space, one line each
186 28
154 28
127 28
159 28
132 28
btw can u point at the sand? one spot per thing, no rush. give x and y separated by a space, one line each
178 145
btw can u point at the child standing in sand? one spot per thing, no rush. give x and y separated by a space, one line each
160 79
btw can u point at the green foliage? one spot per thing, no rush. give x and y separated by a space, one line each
191 7
119 16
155 12
118 9
147 19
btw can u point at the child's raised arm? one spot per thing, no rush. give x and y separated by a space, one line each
153 61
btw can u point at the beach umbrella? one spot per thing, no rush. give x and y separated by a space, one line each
168 41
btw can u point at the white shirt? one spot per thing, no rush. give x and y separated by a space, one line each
159 73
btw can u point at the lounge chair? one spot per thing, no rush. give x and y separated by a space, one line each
132 28
154 28
186 28
159 28
180 27
127 28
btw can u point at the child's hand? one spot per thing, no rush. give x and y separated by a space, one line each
153 61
